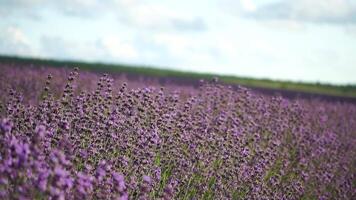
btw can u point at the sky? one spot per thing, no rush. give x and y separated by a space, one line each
296 40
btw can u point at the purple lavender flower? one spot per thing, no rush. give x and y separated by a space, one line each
6 125
214 141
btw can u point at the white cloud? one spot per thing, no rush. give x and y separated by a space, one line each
176 44
18 37
20 8
351 30
313 11
117 48
139 14
14 41
159 17
79 8
109 48
321 9
290 24
189 52
248 5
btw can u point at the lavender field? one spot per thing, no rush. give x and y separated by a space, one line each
71 134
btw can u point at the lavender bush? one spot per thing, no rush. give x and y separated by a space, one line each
110 141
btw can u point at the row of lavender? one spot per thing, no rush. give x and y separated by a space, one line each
30 79
111 142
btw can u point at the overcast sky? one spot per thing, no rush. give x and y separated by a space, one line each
299 40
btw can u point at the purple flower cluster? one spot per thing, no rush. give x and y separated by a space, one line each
113 142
